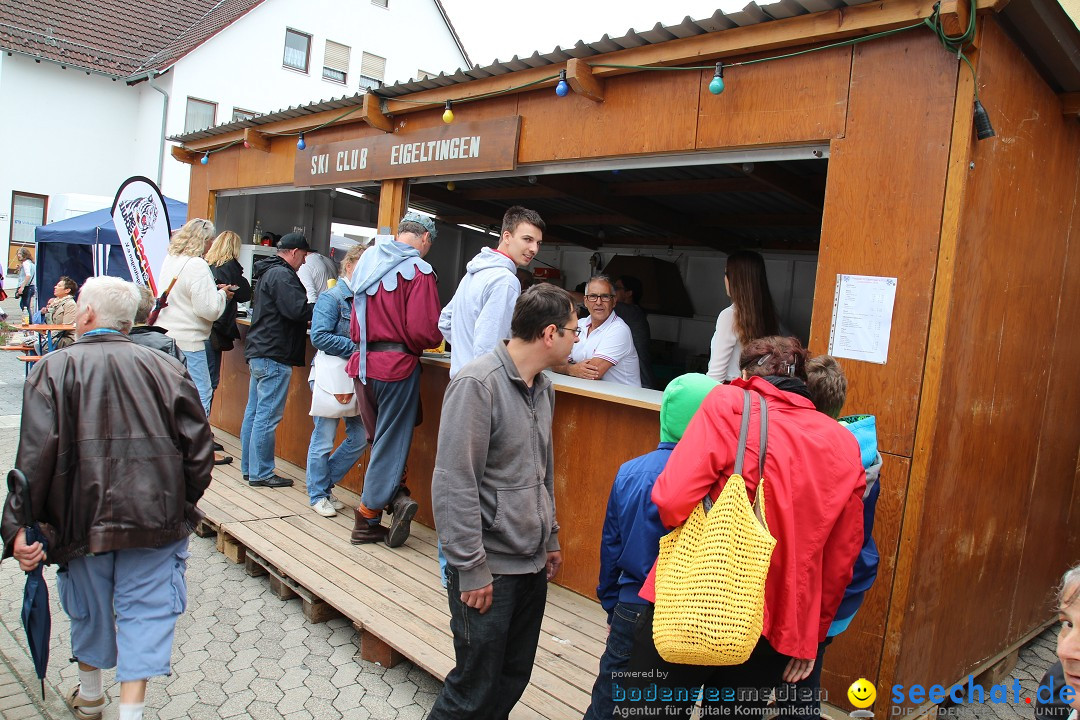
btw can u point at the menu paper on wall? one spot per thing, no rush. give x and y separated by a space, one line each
862 317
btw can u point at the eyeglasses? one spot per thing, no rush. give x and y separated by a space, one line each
575 330
599 298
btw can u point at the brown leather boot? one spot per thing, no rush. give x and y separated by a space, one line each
364 531
401 525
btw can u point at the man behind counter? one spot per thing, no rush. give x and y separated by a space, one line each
606 350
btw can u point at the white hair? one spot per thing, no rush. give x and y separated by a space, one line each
114 302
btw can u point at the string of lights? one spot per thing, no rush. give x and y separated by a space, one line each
952 43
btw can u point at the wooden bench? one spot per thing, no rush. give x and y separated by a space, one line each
392 596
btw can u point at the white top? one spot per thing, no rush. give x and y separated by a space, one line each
316 271
194 302
612 341
724 350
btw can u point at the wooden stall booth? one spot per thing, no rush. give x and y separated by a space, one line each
860 159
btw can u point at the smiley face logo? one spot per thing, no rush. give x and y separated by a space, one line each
862 693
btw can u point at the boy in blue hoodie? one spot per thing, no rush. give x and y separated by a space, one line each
478 316
827 385
632 532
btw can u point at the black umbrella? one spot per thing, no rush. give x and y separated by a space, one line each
36 616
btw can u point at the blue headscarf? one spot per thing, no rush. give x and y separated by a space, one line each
380 265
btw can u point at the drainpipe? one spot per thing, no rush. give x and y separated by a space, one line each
164 117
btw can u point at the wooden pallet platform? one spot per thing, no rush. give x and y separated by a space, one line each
392 596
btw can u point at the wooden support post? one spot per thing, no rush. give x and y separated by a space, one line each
204 530
233 550
393 202
184 156
1070 104
583 81
256 140
374 650
374 116
317 611
253 568
998 671
280 589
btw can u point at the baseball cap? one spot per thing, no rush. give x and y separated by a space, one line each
423 220
294 241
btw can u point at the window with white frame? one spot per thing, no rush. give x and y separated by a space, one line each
240 114
424 74
381 3
297 50
27 212
336 62
372 70
200 114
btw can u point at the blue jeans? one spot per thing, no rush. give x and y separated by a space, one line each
200 375
397 403
494 652
266 405
213 363
123 607
324 470
616 658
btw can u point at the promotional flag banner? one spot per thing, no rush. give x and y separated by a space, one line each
143 226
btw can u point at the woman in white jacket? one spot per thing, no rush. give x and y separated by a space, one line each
195 301
750 316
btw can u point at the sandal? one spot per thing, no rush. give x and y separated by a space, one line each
76 704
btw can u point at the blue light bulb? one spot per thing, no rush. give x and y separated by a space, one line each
300 144
716 86
562 88
205 158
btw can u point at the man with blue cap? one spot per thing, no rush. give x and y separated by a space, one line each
395 317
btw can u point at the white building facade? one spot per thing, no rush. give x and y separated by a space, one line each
80 132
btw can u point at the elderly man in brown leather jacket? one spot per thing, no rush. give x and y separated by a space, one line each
117 451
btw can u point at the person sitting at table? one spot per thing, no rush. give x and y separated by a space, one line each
60 310
606 350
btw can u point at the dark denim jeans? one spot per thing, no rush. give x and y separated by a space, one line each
616 658
494 651
655 687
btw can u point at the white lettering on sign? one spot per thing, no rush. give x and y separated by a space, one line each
435 150
320 164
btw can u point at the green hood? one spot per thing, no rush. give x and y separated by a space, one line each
682 397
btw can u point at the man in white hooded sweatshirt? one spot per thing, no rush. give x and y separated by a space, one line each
478 316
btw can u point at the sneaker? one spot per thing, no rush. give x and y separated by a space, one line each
274 481
324 508
404 510
82 708
336 504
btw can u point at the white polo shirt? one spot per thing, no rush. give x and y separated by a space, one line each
612 341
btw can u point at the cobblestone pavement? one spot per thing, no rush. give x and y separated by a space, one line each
241 652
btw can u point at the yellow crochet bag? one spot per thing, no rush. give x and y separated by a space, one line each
711 572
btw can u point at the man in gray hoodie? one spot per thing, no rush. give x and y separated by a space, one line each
494 503
478 316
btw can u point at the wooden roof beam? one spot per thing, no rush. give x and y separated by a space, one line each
782 181
373 114
481 213
256 140
184 156
1070 104
583 80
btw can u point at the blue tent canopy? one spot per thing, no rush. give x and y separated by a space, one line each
84 246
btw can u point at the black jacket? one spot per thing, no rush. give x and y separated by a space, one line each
282 312
153 336
116 448
224 330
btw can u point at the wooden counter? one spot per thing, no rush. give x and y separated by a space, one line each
598 426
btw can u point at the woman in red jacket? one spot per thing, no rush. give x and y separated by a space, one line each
813 500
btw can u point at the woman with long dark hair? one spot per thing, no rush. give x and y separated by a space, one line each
751 314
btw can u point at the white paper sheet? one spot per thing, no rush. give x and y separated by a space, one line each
862 317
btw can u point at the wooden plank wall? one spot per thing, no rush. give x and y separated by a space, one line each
1005 441
883 205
